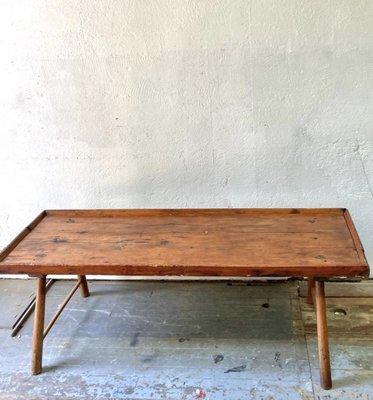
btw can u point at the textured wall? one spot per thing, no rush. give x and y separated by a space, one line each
204 103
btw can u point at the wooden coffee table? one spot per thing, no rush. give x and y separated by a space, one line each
315 243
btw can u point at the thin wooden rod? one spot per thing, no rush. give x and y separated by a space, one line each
37 337
60 309
322 336
17 326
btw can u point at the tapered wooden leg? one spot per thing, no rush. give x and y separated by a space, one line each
83 285
37 338
311 288
322 336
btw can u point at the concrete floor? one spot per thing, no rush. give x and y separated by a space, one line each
167 340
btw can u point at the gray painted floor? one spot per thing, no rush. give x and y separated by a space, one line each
167 340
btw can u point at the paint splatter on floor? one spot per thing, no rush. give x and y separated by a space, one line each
155 340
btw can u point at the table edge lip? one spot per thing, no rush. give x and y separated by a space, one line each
285 210
22 235
355 238
343 271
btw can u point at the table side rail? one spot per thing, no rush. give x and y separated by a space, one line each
356 239
345 271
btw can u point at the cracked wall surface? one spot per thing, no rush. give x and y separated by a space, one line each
162 103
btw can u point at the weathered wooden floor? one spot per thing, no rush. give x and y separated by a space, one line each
165 340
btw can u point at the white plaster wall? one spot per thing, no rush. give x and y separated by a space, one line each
205 103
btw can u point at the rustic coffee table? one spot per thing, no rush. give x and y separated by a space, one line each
315 243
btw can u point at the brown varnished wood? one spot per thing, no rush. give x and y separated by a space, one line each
39 333
84 290
317 243
37 338
216 242
355 236
322 336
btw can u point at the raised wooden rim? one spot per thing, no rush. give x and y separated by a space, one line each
14 243
356 239
175 211
183 270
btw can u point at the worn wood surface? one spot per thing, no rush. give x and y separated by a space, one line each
216 242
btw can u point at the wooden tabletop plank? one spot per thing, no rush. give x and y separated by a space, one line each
222 242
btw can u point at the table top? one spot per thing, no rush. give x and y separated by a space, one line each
190 242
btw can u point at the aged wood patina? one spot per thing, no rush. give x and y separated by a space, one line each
314 243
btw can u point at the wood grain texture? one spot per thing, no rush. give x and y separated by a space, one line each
322 336
355 236
215 242
37 337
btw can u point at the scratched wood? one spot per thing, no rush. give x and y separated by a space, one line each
191 242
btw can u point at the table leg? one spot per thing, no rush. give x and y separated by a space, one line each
83 285
322 336
311 287
37 338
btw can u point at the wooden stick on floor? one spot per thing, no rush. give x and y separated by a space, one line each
37 338
311 287
322 336
17 326
60 309
83 285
